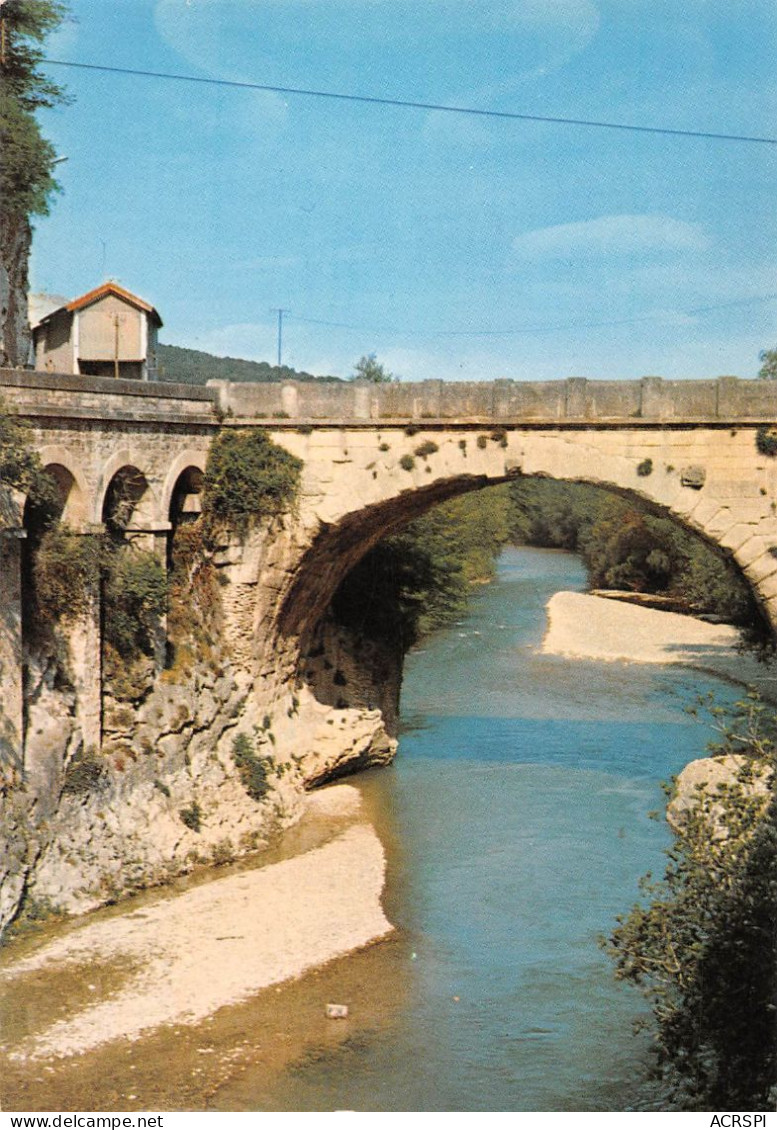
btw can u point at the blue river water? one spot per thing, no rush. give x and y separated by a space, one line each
516 821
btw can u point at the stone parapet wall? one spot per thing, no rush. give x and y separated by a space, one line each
64 395
572 401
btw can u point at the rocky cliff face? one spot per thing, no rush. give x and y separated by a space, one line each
167 791
15 240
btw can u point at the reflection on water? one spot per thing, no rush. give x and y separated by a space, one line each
516 822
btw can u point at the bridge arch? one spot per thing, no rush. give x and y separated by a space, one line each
71 485
124 475
714 484
128 501
184 479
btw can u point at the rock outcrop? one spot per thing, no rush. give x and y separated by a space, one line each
166 792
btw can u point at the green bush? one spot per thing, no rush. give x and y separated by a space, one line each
192 816
407 462
253 770
21 468
428 447
67 568
134 598
703 948
645 468
766 440
248 477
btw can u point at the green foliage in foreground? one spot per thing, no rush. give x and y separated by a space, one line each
703 948
247 478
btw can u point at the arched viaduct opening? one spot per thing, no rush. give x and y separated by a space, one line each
351 654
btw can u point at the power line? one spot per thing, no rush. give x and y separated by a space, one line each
533 329
279 310
412 105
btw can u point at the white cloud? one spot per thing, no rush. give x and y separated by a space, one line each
611 235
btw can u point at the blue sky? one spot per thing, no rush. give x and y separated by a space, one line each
454 247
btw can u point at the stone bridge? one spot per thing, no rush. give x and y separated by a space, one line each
376 456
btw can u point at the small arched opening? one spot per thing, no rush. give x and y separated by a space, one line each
134 590
128 504
194 620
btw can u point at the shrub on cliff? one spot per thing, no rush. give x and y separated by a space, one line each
253 770
704 947
67 570
134 598
248 477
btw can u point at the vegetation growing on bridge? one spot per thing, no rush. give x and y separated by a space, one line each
67 569
20 466
248 477
766 440
704 947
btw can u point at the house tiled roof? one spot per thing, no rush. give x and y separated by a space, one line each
100 292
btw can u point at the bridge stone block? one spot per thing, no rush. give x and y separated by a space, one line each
738 398
612 400
736 536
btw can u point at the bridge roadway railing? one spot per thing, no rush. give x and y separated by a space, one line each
570 402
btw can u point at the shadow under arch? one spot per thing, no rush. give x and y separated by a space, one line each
71 486
185 477
340 547
129 502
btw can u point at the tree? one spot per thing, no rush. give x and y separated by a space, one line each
768 370
704 947
26 178
368 368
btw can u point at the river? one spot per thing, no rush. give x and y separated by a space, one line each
515 823
516 817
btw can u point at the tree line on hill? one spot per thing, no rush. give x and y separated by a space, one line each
195 367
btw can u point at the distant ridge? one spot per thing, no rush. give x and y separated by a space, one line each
193 367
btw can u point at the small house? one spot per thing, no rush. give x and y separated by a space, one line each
105 333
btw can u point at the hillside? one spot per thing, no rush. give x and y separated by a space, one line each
193 367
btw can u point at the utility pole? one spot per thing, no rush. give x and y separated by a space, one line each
280 312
